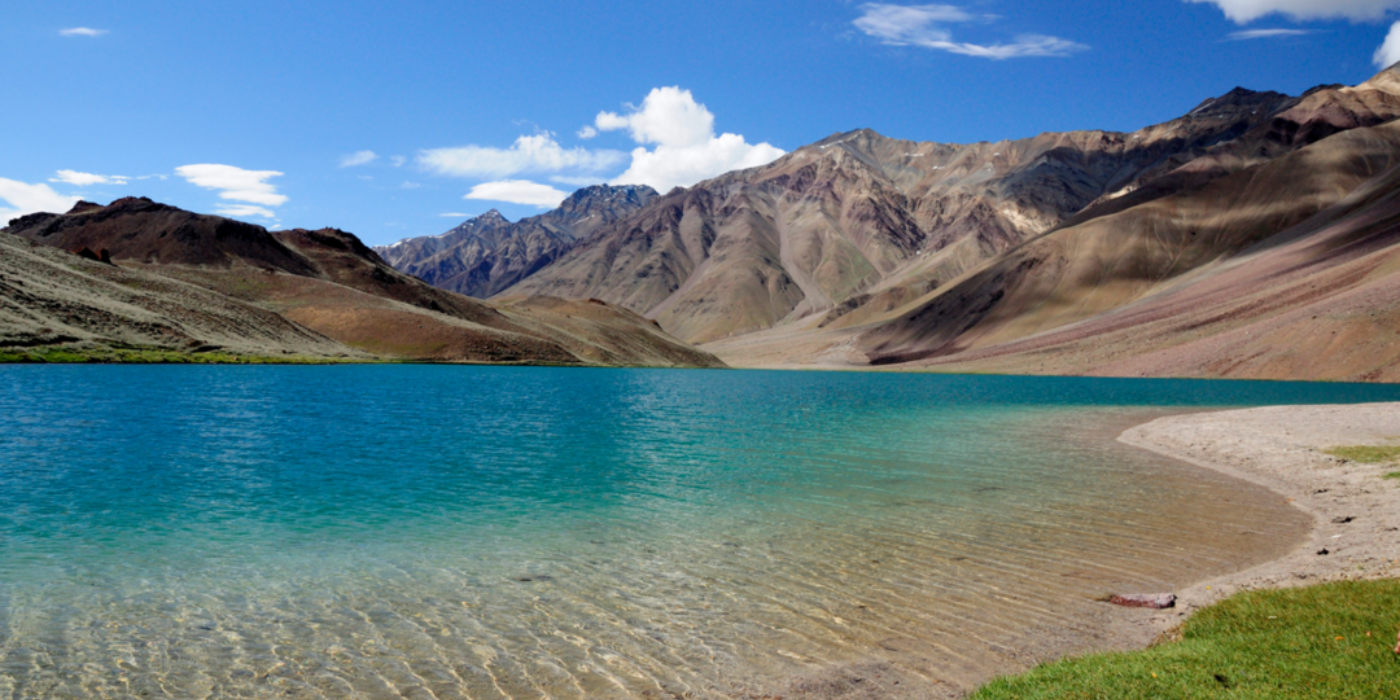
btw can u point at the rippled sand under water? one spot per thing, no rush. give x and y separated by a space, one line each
822 559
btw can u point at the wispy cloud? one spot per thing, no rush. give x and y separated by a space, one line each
237 185
24 198
1243 11
73 177
925 26
529 154
454 215
244 210
358 158
518 192
1267 34
81 31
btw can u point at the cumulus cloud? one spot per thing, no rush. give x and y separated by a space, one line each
518 192
925 26
1267 34
687 150
237 185
1389 52
529 154
586 133
1243 11
358 158
81 31
24 199
73 177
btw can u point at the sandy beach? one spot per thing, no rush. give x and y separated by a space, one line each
1355 511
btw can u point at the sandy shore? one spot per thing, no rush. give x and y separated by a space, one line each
1356 513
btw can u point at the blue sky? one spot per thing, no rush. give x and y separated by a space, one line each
382 118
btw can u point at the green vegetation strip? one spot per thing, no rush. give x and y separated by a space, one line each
149 356
1329 642
1369 454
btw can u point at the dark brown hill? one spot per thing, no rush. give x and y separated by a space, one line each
136 228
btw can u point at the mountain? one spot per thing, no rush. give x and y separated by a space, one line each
331 285
1080 252
859 221
487 254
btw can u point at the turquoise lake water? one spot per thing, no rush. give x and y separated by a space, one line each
436 531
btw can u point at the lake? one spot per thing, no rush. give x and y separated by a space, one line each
485 532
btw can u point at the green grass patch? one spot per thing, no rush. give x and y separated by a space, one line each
1392 475
1369 454
1301 644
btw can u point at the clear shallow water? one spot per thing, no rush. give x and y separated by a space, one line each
412 531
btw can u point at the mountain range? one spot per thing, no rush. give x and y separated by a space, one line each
1237 240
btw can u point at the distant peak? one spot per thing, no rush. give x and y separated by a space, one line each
1387 80
84 206
493 215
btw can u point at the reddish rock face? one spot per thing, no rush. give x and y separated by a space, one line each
1155 601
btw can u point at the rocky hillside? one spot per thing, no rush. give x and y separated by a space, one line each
330 285
487 254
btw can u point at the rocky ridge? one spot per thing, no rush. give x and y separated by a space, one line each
487 254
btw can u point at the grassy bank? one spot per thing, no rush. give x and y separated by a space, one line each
1328 642
100 355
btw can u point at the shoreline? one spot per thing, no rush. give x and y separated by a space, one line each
1355 511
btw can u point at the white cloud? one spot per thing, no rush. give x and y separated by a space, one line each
82 31
73 177
924 26
1389 52
687 150
518 192
538 153
358 158
1243 11
244 210
27 199
586 133
398 161
239 185
454 215
1267 34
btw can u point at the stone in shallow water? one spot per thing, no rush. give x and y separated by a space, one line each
1156 601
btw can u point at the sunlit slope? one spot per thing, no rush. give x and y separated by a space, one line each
1281 270
50 297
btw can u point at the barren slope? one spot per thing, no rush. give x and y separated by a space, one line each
328 281
50 297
